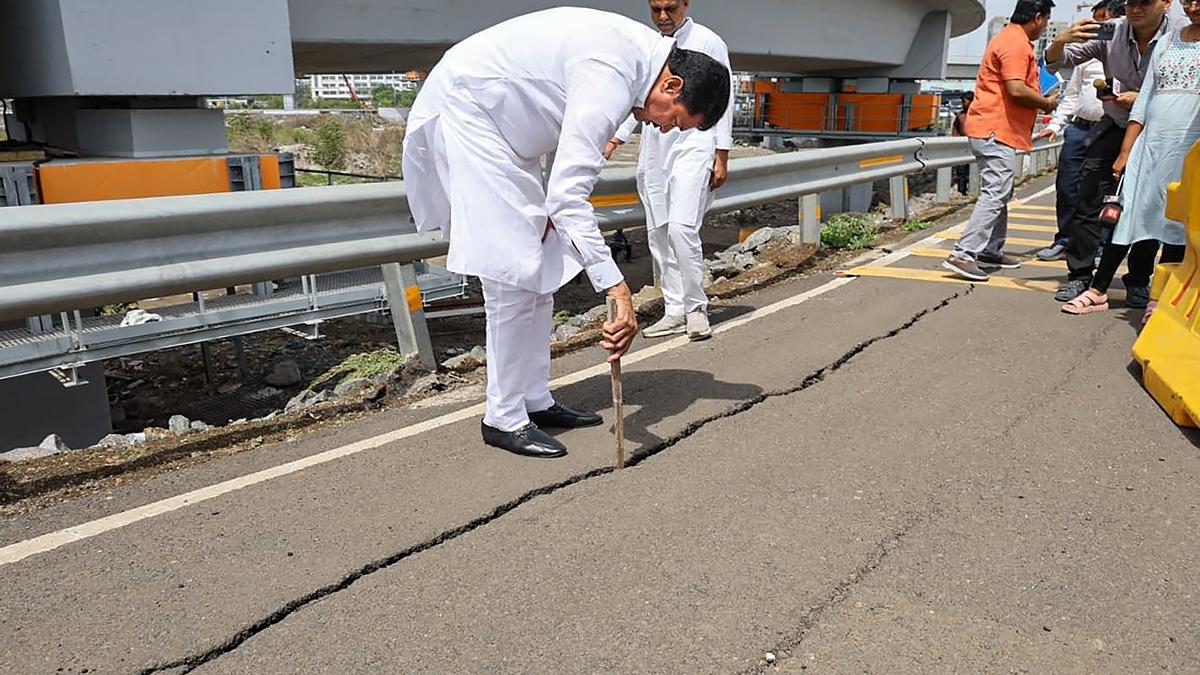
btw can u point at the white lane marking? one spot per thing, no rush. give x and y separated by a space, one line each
53 540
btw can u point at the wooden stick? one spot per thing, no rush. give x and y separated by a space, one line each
618 395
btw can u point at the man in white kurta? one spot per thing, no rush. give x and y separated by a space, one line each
677 174
554 83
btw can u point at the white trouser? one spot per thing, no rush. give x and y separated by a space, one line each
679 255
519 323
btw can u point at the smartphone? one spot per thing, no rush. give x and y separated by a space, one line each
1106 31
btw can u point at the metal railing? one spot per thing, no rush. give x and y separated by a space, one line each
63 257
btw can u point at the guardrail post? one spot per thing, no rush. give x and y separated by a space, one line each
945 177
408 313
899 191
973 183
810 219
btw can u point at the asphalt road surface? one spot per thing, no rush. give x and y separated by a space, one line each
889 474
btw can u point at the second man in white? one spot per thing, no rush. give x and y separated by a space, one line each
677 174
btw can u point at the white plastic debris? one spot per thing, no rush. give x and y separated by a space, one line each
137 317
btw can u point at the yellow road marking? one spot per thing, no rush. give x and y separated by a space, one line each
1031 207
1009 283
1012 240
1027 262
1033 228
1035 216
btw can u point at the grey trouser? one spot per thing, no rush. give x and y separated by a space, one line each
988 228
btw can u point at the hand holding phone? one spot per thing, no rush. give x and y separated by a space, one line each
1080 31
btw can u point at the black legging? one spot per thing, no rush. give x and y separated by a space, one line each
1141 263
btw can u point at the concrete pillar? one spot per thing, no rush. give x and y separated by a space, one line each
38 405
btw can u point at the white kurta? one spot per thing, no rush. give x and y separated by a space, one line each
556 82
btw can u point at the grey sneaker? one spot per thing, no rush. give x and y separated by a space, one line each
1071 290
1052 253
667 326
1003 261
697 326
965 268
1137 297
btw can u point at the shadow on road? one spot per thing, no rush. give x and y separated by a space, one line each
655 396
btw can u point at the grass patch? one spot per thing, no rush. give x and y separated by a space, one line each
120 308
916 225
562 316
364 366
848 232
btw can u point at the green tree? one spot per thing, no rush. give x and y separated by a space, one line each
384 95
330 148
304 97
406 98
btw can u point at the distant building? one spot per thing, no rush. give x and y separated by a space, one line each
999 23
334 86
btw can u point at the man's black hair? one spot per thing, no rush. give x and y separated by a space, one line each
968 95
706 84
1103 4
1028 10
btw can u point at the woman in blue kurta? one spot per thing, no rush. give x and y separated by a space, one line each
1163 126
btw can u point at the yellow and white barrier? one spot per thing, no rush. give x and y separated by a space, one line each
1169 347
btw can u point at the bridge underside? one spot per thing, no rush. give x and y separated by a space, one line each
886 38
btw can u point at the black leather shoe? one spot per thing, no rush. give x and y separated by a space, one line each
562 417
528 441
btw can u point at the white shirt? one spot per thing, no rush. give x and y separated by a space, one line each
556 82
674 168
1079 97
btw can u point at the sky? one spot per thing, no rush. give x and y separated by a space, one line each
969 48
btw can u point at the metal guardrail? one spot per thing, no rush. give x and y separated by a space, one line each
55 258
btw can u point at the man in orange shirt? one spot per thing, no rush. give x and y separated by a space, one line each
1000 122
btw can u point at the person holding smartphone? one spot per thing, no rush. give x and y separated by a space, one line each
1163 126
1078 111
1126 57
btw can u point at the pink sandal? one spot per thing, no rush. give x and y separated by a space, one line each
1087 302
1149 311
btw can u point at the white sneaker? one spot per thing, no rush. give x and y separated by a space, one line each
668 325
697 326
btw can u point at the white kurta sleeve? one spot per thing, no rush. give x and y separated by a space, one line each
597 101
626 129
1069 103
724 128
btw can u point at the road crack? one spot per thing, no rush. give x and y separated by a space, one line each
787 647
190 663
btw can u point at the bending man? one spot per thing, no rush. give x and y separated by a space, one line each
677 173
554 83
